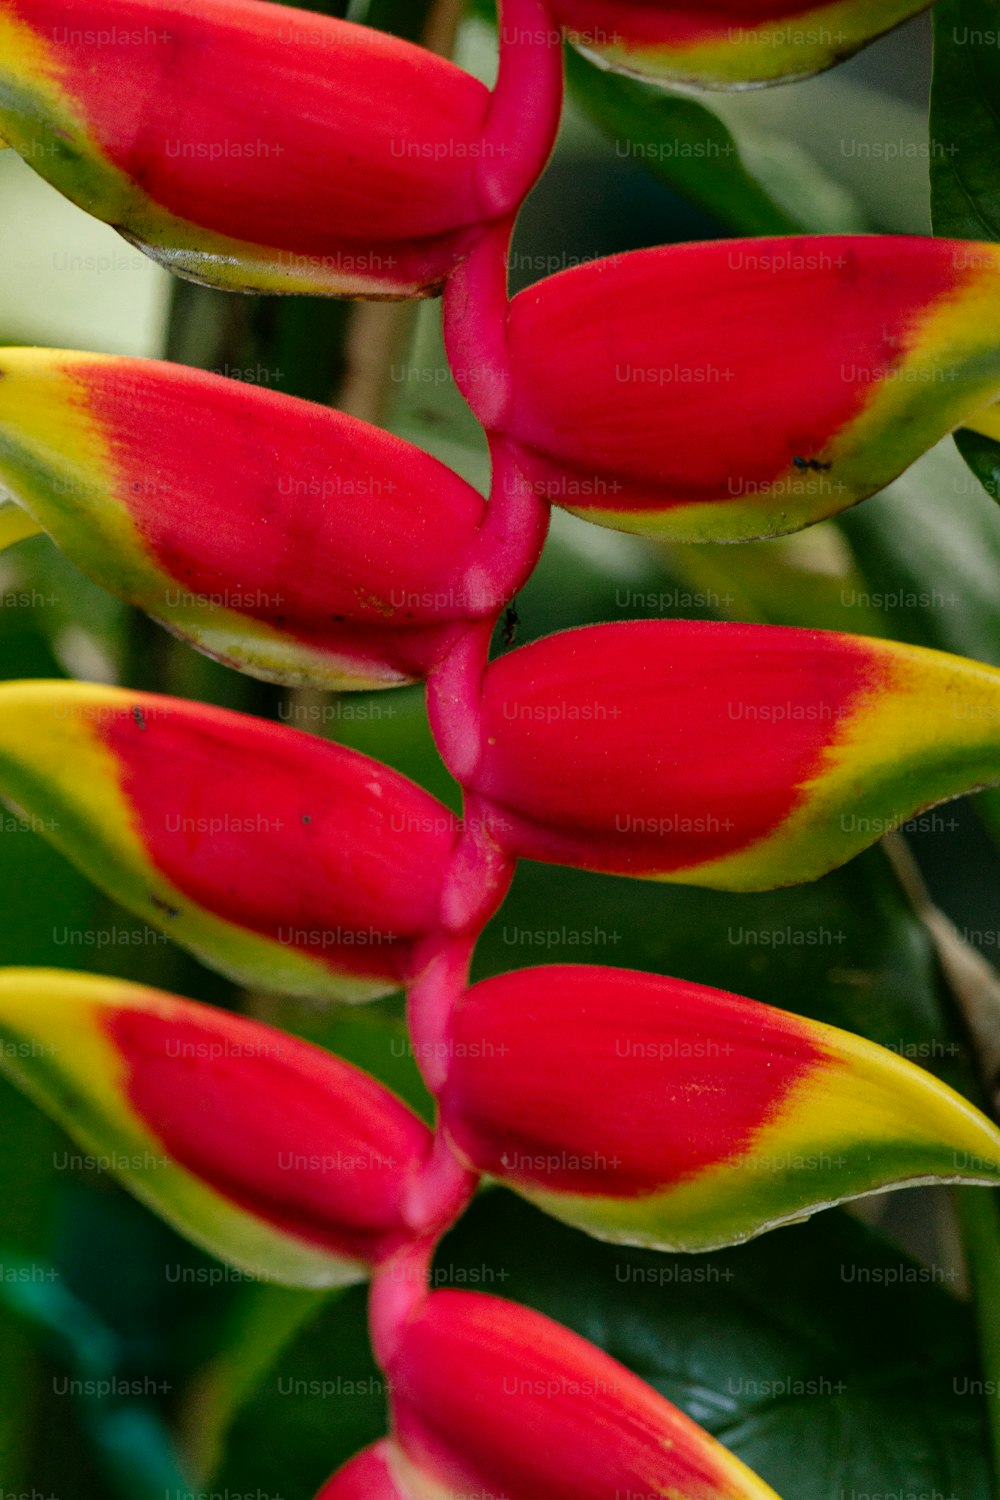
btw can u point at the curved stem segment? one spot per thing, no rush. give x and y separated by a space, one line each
397 1290
476 884
520 131
454 700
440 1192
511 538
475 326
429 1006
525 108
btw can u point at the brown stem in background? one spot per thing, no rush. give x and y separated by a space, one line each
378 331
971 979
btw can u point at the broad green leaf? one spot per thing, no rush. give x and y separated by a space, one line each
262 1321
964 126
825 1359
322 1400
752 181
682 142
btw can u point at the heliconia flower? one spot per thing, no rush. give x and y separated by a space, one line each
366 1477
655 1112
259 147
493 1399
726 44
281 859
738 756
739 389
288 540
268 1151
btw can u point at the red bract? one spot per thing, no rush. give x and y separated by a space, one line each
288 540
285 861
366 1477
289 1163
650 1111
254 146
726 43
238 1106
737 389
737 756
489 1398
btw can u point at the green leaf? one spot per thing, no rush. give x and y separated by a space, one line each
964 122
127 1431
42 899
261 1322
681 142
928 553
982 454
322 1401
26 1191
826 1360
964 152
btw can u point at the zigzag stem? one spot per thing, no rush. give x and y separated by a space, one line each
481 871
474 313
474 887
526 107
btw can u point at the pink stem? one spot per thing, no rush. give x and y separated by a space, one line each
481 869
397 1290
521 128
440 1192
513 532
476 884
430 1003
475 326
525 108
454 695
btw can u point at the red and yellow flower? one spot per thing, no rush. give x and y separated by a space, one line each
285 861
743 757
254 146
741 388
286 539
283 1160
726 44
655 1112
489 1398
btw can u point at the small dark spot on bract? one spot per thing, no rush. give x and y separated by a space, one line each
164 906
307 817
139 717
816 465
